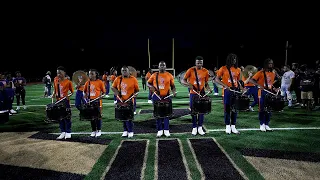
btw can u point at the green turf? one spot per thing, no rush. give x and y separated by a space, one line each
32 119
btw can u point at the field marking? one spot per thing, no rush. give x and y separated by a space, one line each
258 129
203 177
144 165
229 158
209 130
184 160
111 161
156 154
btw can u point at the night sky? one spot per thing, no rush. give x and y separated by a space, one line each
120 38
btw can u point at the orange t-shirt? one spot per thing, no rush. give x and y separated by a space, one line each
224 74
128 86
96 87
203 77
165 81
81 87
248 84
148 75
64 87
259 77
112 78
105 79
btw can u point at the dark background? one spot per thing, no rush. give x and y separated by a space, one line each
38 40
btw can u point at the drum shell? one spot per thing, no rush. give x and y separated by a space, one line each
4 116
90 111
240 102
274 103
201 105
124 111
57 112
162 109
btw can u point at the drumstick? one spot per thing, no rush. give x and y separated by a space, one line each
235 91
168 96
119 98
269 92
154 93
95 99
196 92
206 94
132 97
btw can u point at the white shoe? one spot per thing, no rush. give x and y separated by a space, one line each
263 128
290 104
234 130
130 134
18 108
93 134
124 134
10 114
160 133
62 135
13 111
68 135
200 131
135 113
167 133
24 107
98 133
251 108
115 102
194 131
216 94
268 128
149 101
106 96
228 129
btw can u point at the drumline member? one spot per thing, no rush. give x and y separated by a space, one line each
105 80
197 82
62 86
9 93
20 83
125 87
286 81
160 83
251 90
230 75
79 100
112 78
264 79
148 75
93 89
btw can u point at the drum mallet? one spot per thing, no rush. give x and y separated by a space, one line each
196 92
169 96
132 97
269 92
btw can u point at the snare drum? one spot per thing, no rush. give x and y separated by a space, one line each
273 103
57 112
124 111
89 112
239 102
4 116
162 108
201 105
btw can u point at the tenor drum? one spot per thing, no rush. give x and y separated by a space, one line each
162 108
239 102
4 116
124 111
274 103
201 105
57 112
89 112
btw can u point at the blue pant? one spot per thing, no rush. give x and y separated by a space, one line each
49 89
253 91
10 97
227 109
160 120
65 124
79 99
215 88
197 120
107 88
150 95
264 116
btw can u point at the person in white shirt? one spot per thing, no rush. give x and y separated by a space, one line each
286 82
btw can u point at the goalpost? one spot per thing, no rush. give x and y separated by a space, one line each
169 69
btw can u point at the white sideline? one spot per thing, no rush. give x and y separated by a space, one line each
209 130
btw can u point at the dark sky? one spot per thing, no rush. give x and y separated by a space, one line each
120 38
